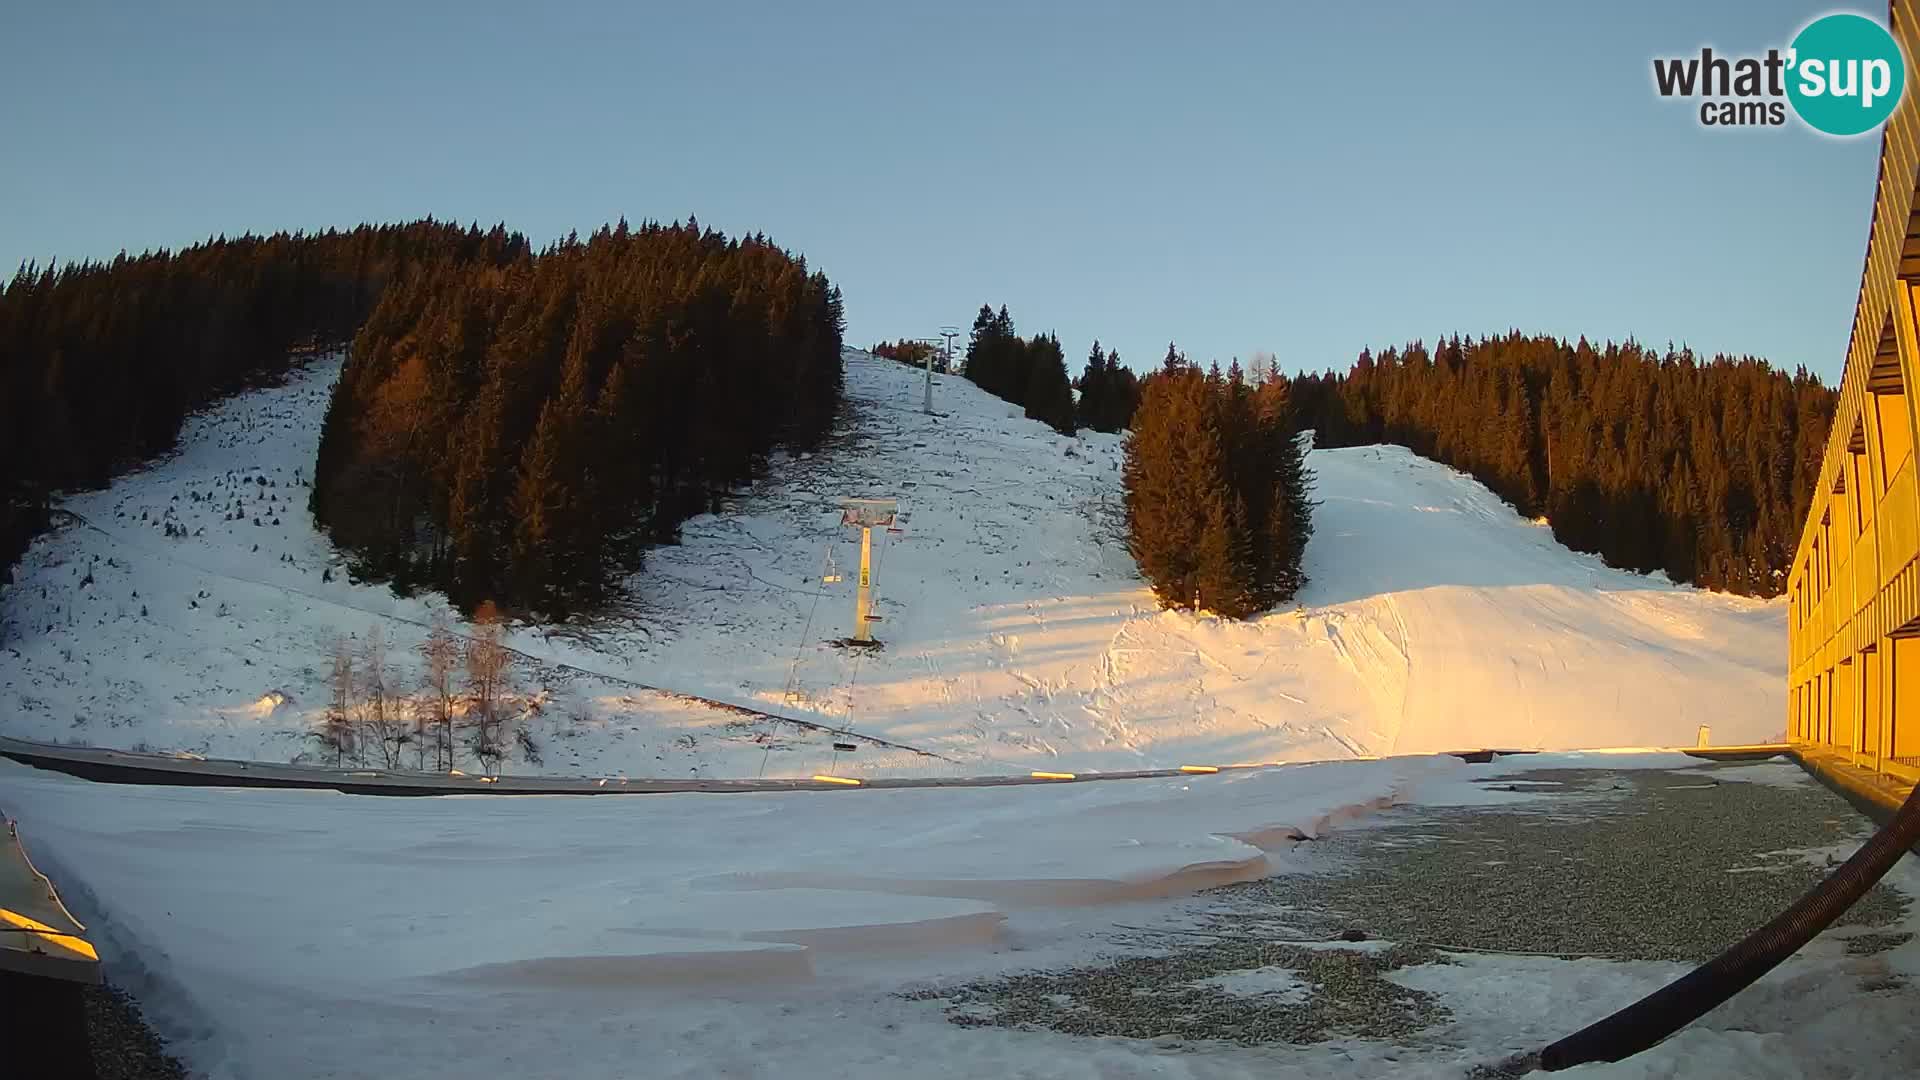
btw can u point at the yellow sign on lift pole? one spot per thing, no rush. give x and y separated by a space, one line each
865 513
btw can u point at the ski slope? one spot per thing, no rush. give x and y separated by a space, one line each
192 606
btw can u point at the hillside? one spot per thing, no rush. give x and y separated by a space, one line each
1016 635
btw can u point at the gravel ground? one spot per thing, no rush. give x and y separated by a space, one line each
1640 865
1874 944
1168 997
124 1047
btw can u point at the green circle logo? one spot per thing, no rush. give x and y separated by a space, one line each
1845 74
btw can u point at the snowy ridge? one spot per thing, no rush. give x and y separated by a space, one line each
1018 633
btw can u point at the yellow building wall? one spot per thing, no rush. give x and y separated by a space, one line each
1905 743
1853 593
1871 719
1841 724
1890 416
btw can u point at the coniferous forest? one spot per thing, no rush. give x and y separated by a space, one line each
1032 373
518 426
1029 372
1218 498
522 432
1108 392
510 426
101 361
1653 460
915 354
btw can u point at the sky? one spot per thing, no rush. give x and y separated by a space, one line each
1302 180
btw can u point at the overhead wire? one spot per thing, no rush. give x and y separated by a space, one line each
853 676
793 670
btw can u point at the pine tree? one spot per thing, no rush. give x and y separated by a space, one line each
978 344
1217 496
996 357
1123 394
542 504
1223 580
1161 531
1094 406
1049 397
1288 524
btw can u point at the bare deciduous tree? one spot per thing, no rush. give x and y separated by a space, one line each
441 651
1262 368
487 669
385 726
336 731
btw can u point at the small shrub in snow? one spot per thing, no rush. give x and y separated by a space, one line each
529 748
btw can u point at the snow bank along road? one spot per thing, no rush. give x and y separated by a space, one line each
200 613
294 933
130 767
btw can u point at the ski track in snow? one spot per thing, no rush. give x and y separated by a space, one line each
1018 634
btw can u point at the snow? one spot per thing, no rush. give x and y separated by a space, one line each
1810 1017
283 933
302 933
1273 983
1018 633
297 933
1779 773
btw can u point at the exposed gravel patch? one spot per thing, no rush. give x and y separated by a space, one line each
124 1047
1622 865
1873 944
1630 865
1166 996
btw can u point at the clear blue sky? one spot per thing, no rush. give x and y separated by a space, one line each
1236 176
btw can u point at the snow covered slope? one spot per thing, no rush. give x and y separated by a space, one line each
1018 633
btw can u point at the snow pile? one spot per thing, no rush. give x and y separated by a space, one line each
193 607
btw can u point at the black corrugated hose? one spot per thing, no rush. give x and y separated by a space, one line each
1674 1006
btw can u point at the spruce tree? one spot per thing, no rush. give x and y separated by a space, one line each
1161 532
1217 494
979 342
1288 523
1093 408
1123 394
1049 397
1223 580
